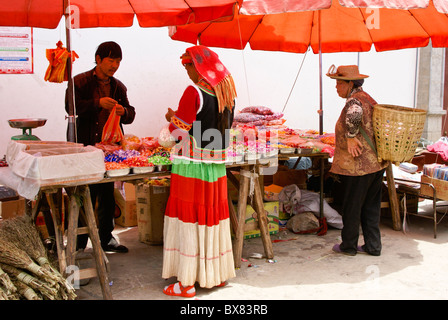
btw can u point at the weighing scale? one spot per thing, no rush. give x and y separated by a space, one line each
26 124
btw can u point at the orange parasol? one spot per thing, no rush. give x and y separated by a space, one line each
112 13
341 29
326 27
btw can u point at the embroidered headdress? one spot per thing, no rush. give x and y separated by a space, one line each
210 68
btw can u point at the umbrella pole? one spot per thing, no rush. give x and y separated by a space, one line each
71 135
321 116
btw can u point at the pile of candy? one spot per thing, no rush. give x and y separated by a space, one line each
120 155
159 160
138 161
115 166
164 182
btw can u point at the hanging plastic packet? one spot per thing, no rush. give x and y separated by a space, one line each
112 133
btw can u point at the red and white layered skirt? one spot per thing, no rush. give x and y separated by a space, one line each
197 240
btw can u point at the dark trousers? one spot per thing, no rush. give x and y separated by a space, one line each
104 193
361 205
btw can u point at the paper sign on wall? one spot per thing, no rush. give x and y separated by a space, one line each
16 50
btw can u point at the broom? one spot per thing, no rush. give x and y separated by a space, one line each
27 292
3 295
7 283
22 232
11 255
35 284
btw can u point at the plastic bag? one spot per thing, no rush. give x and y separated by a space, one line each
131 142
258 110
56 71
112 131
247 117
165 138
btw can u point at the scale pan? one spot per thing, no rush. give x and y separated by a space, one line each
27 123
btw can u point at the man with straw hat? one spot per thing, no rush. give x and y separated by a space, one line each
356 165
197 240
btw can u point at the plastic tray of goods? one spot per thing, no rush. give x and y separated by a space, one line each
146 169
304 150
235 159
163 167
287 150
270 154
118 172
252 156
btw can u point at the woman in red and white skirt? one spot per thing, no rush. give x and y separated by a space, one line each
197 241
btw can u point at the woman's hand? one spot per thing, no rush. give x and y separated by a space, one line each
354 147
169 114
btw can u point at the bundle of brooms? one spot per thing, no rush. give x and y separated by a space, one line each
25 270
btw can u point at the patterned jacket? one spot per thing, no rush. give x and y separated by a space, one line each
357 112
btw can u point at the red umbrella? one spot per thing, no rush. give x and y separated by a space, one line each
331 28
336 29
112 13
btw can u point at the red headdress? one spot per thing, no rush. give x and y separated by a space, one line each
214 72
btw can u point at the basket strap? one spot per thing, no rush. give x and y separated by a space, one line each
364 134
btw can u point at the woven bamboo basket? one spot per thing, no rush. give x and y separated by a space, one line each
397 131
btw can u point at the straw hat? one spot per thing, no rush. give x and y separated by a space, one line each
345 73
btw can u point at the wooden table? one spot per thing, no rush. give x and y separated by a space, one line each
79 196
249 174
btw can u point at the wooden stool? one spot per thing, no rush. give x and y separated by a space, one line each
79 197
238 218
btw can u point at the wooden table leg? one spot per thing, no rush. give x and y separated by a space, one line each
72 229
36 208
263 220
232 214
58 230
241 214
95 239
393 200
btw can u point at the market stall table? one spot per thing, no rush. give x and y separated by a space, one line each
66 256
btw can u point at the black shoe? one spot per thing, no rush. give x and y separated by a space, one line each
114 246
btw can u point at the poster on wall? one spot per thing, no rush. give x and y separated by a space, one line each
16 50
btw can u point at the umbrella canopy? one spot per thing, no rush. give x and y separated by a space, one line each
112 13
336 28
252 7
327 26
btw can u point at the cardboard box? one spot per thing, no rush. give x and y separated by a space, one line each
126 213
441 187
151 204
285 177
271 192
251 229
12 208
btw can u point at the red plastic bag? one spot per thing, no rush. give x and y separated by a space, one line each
112 131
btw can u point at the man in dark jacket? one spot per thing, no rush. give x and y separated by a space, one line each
96 93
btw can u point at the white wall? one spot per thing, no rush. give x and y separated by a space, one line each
155 79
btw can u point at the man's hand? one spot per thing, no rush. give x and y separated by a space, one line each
354 147
120 110
107 103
